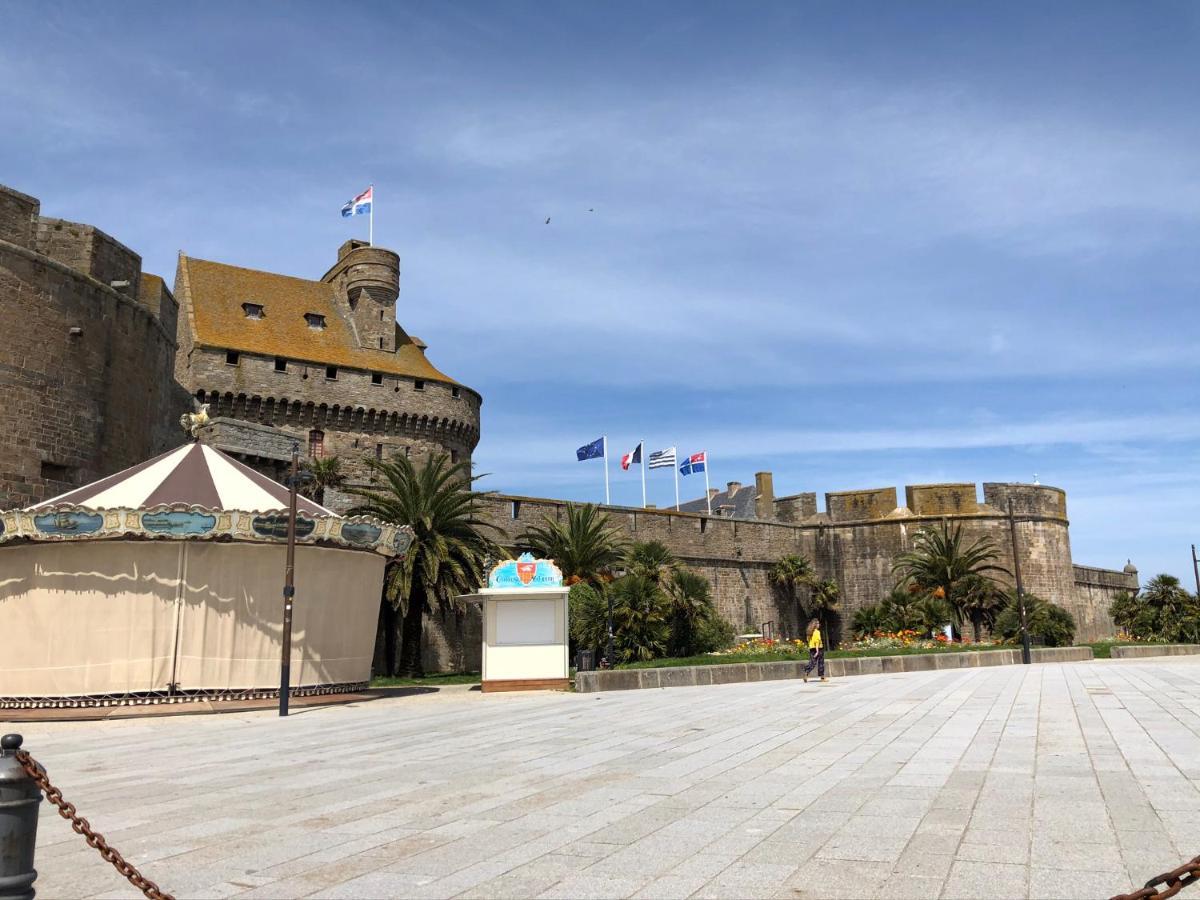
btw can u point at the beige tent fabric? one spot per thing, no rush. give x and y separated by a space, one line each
111 617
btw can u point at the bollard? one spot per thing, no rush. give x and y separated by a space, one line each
19 799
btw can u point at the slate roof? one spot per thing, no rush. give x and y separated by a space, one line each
217 292
739 506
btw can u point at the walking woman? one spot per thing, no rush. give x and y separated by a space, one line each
816 651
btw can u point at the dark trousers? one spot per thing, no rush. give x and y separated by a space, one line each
816 658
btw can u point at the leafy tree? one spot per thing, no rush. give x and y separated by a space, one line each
449 552
935 613
588 616
822 605
640 619
978 599
325 472
812 597
1047 622
1124 610
696 626
939 563
901 609
652 559
1164 611
586 547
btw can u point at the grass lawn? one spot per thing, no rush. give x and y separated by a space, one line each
733 658
426 680
1102 649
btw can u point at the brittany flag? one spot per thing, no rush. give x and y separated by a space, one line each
360 205
632 459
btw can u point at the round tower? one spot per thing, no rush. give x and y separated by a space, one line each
367 279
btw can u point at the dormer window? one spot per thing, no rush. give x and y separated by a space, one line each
253 310
314 320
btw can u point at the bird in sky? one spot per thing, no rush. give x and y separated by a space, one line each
547 220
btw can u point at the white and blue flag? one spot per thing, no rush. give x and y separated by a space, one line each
360 205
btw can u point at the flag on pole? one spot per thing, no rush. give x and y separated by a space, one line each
632 459
360 205
694 464
594 450
662 459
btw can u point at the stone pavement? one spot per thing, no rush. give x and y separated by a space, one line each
1072 780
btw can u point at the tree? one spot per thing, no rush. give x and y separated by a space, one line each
696 626
652 559
640 613
449 552
901 609
868 620
790 575
1165 611
1047 622
978 599
325 472
822 605
938 562
586 547
1124 609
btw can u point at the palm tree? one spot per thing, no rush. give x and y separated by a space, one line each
978 599
449 551
822 606
652 559
586 547
939 563
869 619
639 611
690 596
324 472
788 575
1174 612
902 610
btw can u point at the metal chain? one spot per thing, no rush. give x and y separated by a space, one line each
80 826
1173 882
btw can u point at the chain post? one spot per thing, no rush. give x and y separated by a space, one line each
36 777
19 801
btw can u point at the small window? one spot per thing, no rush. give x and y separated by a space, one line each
381 343
331 373
453 456
453 392
57 472
379 451
376 378
316 444
252 310
314 320
232 357
280 364
516 509
381 315
418 385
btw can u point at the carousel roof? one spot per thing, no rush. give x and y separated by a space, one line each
193 475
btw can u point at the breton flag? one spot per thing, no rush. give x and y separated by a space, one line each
360 205
694 464
662 459
632 459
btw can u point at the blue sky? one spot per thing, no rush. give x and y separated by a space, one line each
856 244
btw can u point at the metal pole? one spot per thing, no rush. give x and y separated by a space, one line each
1026 655
1196 570
609 652
289 586
20 798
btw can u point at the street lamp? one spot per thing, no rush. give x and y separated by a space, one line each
608 651
289 585
1026 656
1196 569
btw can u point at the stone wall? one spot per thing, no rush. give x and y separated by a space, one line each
1095 590
735 555
85 368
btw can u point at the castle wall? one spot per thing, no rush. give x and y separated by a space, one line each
1095 590
77 406
358 419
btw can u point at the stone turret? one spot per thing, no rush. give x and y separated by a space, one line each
368 283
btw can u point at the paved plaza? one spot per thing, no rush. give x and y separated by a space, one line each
1072 780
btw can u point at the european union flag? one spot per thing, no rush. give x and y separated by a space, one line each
594 450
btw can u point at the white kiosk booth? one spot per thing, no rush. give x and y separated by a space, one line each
525 637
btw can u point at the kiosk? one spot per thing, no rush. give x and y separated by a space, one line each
525 636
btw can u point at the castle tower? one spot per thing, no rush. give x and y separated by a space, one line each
283 360
367 282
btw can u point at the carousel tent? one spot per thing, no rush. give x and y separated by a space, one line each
165 580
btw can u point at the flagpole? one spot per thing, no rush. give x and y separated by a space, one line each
642 447
371 219
707 492
607 497
675 455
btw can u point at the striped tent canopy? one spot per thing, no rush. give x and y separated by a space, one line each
191 475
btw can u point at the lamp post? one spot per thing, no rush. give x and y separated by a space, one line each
1196 569
608 651
289 585
1026 656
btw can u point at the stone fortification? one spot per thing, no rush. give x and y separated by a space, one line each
323 363
87 358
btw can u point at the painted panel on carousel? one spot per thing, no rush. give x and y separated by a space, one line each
276 526
68 524
525 572
180 522
360 532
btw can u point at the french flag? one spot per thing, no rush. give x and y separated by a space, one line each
360 205
632 459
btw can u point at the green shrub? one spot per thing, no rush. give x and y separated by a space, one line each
1048 623
589 617
870 619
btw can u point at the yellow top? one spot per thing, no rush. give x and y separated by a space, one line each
814 639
